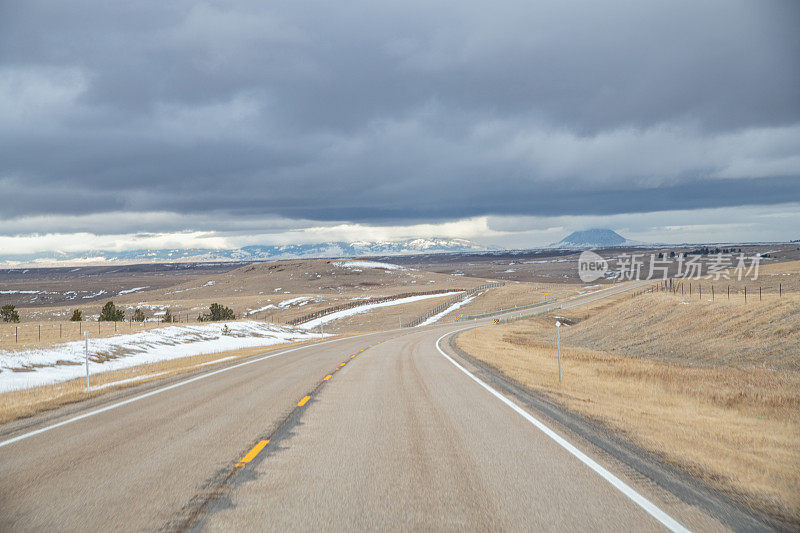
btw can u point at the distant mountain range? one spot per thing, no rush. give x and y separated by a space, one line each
253 253
594 238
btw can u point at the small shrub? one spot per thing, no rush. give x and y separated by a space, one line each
77 316
167 316
138 315
9 313
110 313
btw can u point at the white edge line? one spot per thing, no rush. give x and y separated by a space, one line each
669 522
164 389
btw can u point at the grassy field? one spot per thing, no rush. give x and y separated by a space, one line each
275 292
713 387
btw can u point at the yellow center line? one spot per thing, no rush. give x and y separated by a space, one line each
302 402
252 453
342 364
326 378
352 356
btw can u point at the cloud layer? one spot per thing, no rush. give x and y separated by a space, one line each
391 114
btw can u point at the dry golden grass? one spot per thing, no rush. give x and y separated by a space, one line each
670 328
256 286
515 294
734 421
27 402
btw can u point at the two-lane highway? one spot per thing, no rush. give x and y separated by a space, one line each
382 431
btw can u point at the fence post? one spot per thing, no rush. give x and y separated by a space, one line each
86 355
745 294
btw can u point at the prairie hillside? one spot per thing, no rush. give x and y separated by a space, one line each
711 386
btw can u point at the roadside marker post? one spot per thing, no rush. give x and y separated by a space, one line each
86 355
558 344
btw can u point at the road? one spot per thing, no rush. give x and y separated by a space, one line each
399 436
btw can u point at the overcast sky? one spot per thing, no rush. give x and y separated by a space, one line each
189 123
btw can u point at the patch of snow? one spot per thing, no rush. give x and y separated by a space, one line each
19 292
135 349
367 264
450 309
128 291
95 294
296 302
254 311
316 322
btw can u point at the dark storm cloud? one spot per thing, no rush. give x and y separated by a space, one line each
397 112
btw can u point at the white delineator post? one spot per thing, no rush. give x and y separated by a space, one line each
558 344
86 355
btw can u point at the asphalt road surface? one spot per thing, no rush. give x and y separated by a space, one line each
383 431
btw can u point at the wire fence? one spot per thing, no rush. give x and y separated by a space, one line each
358 303
510 309
441 307
711 291
19 334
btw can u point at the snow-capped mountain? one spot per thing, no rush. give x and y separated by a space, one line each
255 253
594 238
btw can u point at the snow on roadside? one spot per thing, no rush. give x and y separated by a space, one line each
367 264
63 362
316 322
437 316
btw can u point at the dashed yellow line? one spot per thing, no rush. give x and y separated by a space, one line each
352 356
342 364
252 453
302 402
326 378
